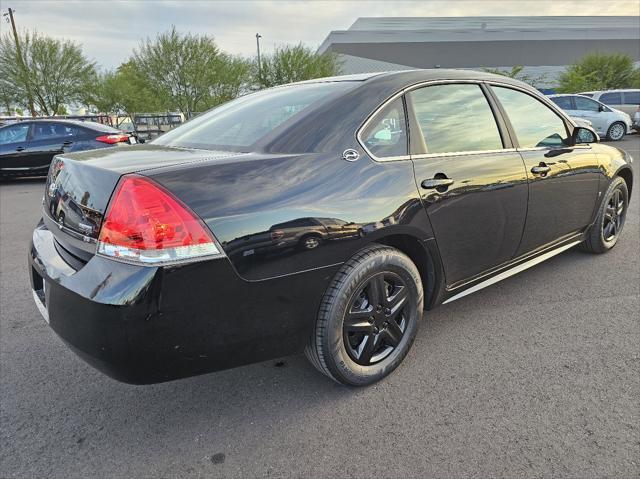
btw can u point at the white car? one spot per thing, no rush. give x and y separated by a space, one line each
627 100
606 121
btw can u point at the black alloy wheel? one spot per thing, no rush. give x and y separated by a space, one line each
375 322
614 214
368 317
607 228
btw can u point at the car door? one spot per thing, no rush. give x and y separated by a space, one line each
594 112
563 178
48 139
13 147
567 104
473 185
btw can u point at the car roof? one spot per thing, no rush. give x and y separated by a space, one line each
64 121
557 95
621 90
419 75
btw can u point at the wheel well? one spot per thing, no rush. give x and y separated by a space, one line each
412 247
627 176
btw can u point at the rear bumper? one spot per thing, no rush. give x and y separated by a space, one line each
145 325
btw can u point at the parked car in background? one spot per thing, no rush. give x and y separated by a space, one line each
627 100
383 204
607 122
27 147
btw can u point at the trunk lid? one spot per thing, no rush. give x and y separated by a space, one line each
79 187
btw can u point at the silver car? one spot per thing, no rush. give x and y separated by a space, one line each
627 100
607 122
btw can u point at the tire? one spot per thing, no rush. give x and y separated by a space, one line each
356 342
310 242
599 238
616 131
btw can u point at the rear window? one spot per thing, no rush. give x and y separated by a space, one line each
95 126
632 97
242 122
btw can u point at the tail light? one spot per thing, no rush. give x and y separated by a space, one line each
146 224
277 234
112 139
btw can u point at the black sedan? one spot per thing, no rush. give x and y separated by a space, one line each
27 147
436 184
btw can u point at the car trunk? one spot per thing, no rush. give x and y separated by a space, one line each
79 187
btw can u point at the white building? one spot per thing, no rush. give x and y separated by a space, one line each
543 45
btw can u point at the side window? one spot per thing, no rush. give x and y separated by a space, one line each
14 133
611 98
61 130
386 134
632 97
444 112
49 131
563 102
535 124
584 104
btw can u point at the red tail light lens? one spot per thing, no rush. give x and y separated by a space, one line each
146 224
112 139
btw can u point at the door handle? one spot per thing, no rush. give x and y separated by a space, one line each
437 183
541 169
67 143
20 148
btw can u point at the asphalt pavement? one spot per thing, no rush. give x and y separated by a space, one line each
536 376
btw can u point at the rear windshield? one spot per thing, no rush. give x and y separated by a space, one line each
94 125
240 123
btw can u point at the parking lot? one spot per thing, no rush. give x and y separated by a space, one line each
537 376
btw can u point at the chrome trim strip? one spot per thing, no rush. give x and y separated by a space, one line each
542 148
512 271
414 86
41 307
24 168
463 153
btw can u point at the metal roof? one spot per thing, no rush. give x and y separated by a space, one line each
495 23
465 29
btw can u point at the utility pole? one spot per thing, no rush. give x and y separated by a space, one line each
21 61
258 37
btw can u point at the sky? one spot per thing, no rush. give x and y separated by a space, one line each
110 30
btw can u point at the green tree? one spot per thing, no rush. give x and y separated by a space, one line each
516 74
600 71
9 100
124 92
295 63
56 71
189 70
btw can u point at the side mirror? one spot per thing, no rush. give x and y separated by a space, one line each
601 108
583 134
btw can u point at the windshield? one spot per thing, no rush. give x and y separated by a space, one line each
240 123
